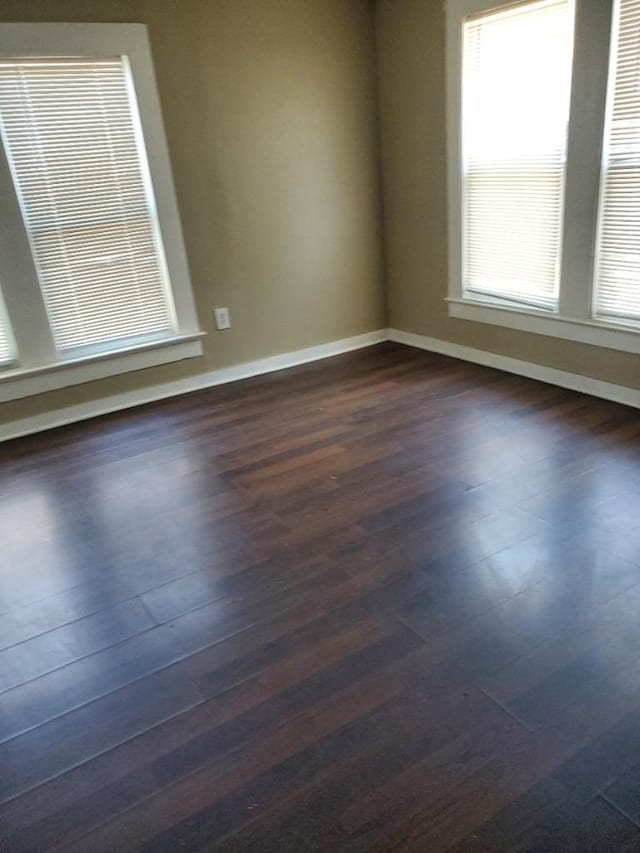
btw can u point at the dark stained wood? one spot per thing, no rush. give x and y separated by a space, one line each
387 601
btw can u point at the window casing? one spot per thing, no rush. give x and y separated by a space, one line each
93 271
575 314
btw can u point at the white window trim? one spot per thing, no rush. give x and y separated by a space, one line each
41 374
573 320
24 382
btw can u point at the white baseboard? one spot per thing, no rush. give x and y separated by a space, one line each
573 381
129 399
117 402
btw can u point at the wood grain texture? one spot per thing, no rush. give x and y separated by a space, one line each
384 602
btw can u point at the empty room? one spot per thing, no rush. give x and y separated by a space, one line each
320 426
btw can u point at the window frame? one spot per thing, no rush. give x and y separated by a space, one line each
39 366
573 319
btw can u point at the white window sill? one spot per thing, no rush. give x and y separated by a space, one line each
25 382
590 332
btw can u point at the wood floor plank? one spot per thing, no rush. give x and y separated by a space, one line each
550 818
135 769
25 623
283 750
59 647
602 764
88 679
387 601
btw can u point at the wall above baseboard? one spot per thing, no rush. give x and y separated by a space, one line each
573 381
117 402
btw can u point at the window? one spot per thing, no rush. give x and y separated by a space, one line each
5 350
516 111
98 270
618 268
544 167
68 128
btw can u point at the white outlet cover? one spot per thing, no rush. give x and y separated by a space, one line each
223 318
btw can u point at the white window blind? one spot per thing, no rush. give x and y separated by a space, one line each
617 286
72 135
515 112
5 349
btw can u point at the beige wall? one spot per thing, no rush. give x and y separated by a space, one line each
270 112
410 39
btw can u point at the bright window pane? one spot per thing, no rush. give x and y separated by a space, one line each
71 130
617 291
516 91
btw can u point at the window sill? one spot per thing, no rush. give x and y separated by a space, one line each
25 382
590 332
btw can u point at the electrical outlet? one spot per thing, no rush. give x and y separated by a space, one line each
223 318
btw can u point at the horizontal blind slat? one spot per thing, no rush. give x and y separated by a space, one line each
69 129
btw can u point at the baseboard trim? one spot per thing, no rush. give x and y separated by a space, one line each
572 381
129 399
117 402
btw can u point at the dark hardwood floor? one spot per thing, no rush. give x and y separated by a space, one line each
388 601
